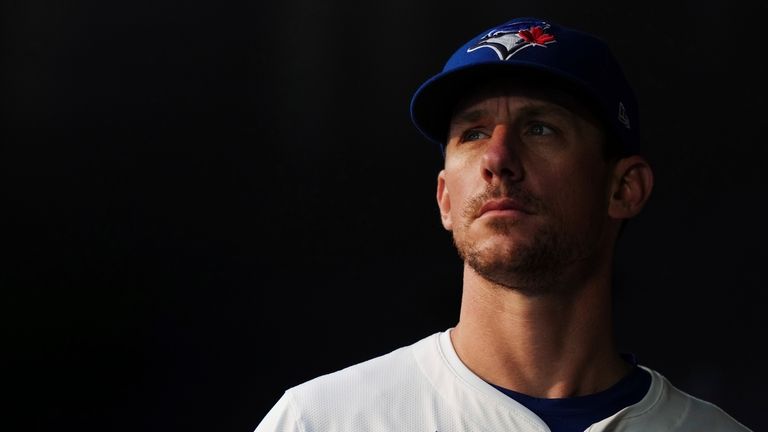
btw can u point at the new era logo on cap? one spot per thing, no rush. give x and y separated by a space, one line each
623 117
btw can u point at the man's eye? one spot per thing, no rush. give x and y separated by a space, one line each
540 129
474 135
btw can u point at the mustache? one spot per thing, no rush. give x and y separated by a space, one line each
473 204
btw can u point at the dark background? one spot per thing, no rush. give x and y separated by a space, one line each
208 202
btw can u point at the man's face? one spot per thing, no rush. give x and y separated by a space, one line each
525 188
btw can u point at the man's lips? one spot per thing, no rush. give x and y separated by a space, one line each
503 205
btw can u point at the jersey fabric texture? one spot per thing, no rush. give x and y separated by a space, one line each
424 387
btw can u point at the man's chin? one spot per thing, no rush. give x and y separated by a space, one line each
491 245
502 272
495 254
502 246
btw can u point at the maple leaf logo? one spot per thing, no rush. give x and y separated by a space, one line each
536 36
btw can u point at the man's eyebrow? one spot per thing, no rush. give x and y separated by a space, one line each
537 109
531 109
469 116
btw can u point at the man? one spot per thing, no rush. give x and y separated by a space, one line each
539 131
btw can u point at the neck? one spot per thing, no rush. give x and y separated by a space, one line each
559 344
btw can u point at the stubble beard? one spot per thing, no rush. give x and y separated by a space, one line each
536 268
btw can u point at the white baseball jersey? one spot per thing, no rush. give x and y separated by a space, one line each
424 387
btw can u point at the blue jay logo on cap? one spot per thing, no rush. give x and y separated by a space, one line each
510 38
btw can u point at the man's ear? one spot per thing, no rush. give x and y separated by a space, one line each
444 201
631 187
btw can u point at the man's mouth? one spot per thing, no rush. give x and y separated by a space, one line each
503 206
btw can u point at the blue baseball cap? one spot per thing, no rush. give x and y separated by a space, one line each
532 48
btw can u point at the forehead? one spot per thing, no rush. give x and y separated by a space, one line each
531 92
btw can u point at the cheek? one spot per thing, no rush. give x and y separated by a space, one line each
580 198
457 198
459 192
459 178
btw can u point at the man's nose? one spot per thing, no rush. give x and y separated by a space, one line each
501 160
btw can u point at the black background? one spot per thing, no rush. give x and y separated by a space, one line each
208 202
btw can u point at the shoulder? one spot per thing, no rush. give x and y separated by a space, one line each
350 398
667 407
362 379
